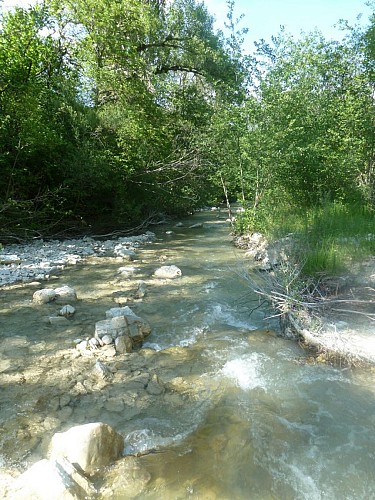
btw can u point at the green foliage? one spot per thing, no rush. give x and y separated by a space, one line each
317 109
110 111
328 238
103 107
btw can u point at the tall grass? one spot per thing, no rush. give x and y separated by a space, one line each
335 236
329 238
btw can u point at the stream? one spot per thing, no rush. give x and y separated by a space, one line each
242 413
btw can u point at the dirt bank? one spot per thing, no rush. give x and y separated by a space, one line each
344 326
341 325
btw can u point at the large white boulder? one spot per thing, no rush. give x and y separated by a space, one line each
89 446
51 479
44 296
168 272
65 294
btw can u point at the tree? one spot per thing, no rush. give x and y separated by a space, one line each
316 106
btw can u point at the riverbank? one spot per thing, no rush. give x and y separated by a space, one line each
338 324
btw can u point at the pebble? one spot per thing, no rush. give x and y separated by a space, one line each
102 370
94 343
107 339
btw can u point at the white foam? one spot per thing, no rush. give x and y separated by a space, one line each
187 337
142 440
245 372
221 313
210 286
303 483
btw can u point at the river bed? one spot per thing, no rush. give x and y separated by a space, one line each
241 413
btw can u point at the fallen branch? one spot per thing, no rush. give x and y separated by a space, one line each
370 316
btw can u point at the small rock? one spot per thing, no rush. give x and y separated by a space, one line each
67 311
94 343
83 345
121 300
141 290
123 344
108 351
127 270
125 253
107 339
57 320
102 370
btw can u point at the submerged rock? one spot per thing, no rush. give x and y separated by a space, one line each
57 320
155 387
126 479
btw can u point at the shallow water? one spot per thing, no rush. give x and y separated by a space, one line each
242 414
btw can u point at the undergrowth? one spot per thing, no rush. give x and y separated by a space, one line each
328 238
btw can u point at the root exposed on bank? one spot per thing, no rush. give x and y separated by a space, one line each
314 310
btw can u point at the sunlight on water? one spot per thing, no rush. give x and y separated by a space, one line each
239 412
245 372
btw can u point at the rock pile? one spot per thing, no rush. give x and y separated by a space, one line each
118 333
267 255
40 260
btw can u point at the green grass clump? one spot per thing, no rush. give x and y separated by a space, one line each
329 238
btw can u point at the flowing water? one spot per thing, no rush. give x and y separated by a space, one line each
242 414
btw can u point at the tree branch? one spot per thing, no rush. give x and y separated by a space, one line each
186 69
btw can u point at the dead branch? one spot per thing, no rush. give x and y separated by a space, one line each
370 316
